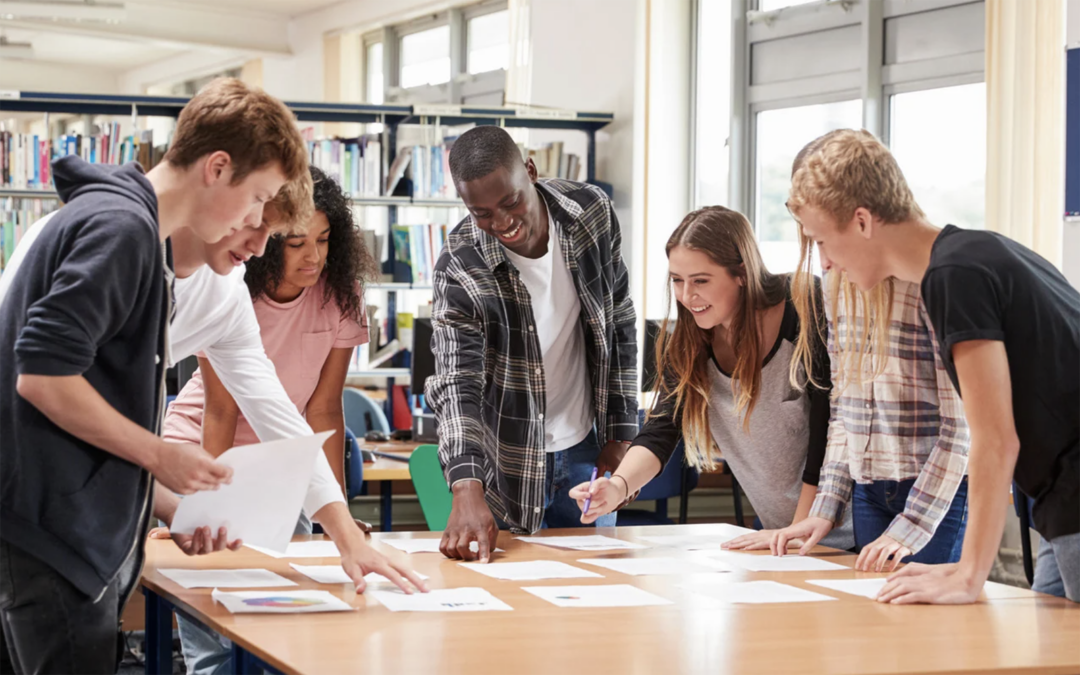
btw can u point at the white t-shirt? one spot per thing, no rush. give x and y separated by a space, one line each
557 312
214 315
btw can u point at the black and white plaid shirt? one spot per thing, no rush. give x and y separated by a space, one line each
488 392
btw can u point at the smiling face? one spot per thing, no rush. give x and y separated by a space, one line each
506 205
849 248
708 291
305 254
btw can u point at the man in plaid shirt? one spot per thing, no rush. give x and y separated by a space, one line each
534 342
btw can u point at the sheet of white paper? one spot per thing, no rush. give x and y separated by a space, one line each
333 574
442 600
867 588
716 536
303 549
424 545
614 595
756 592
530 571
264 499
592 542
280 602
245 578
645 566
754 562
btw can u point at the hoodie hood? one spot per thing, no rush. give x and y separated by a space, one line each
75 177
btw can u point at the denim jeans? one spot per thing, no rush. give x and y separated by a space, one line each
567 469
1057 569
205 651
875 505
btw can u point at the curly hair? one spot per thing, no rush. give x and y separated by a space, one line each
348 262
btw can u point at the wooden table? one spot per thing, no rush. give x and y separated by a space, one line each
386 471
1016 632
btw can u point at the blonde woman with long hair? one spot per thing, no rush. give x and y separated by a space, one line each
725 388
898 440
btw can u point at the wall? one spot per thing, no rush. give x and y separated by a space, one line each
44 76
1070 257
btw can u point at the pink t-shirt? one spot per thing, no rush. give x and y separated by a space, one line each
298 336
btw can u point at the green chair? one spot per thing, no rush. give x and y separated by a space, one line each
431 487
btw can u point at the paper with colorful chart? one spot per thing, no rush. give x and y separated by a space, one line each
280 602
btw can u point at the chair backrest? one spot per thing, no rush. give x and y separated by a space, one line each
362 414
354 465
669 482
431 488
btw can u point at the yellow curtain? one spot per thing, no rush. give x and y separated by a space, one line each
1025 130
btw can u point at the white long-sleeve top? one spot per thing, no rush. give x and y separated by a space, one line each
214 315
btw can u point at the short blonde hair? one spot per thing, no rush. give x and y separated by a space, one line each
291 209
847 169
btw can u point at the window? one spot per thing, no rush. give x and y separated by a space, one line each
488 38
938 137
770 5
425 57
780 135
373 74
712 104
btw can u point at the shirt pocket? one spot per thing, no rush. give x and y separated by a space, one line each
314 348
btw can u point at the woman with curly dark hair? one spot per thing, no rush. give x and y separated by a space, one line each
308 297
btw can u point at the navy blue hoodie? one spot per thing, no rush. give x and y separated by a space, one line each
87 296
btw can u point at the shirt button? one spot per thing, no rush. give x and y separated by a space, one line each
540 416
536 509
157 359
530 329
867 406
541 465
538 371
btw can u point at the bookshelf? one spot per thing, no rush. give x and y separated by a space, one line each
390 116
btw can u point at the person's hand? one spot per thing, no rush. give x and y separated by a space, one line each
470 520
606 495
611 456
186 468
199 543
364 527
947 584
364 559
756 541
875 556
810 530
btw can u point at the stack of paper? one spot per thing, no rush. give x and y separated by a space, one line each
243 578
646 566
442 600
616 595
594 542
756 592
529 571
303 549
333 574
280 602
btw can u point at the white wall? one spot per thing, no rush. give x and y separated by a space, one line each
1070 257
60 77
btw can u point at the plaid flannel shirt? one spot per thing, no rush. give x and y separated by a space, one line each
906 423
488 391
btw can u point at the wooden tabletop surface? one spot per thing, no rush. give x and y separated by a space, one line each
388 469
1014 631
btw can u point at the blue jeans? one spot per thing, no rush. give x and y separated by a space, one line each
567 469
875 505
1057 569
205 651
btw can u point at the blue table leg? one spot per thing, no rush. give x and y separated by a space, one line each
243 662
158 634
386 493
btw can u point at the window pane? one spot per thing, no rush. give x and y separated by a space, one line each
770 5
374 75
938 137
489 42
425 57
780 136
713 104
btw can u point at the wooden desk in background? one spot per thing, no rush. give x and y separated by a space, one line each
386 471
1016 631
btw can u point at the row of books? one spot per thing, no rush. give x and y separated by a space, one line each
427 170
552 162
416 249
26 158
16 217
355 163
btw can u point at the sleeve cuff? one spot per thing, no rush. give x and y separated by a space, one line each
622 427
828 506
908 534
320 496
466 467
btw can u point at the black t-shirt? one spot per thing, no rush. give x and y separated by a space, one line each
983 286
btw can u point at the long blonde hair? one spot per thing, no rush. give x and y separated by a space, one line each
838 173
682 352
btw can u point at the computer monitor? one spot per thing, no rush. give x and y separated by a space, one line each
423 361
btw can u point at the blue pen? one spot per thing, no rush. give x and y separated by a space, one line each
588 500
